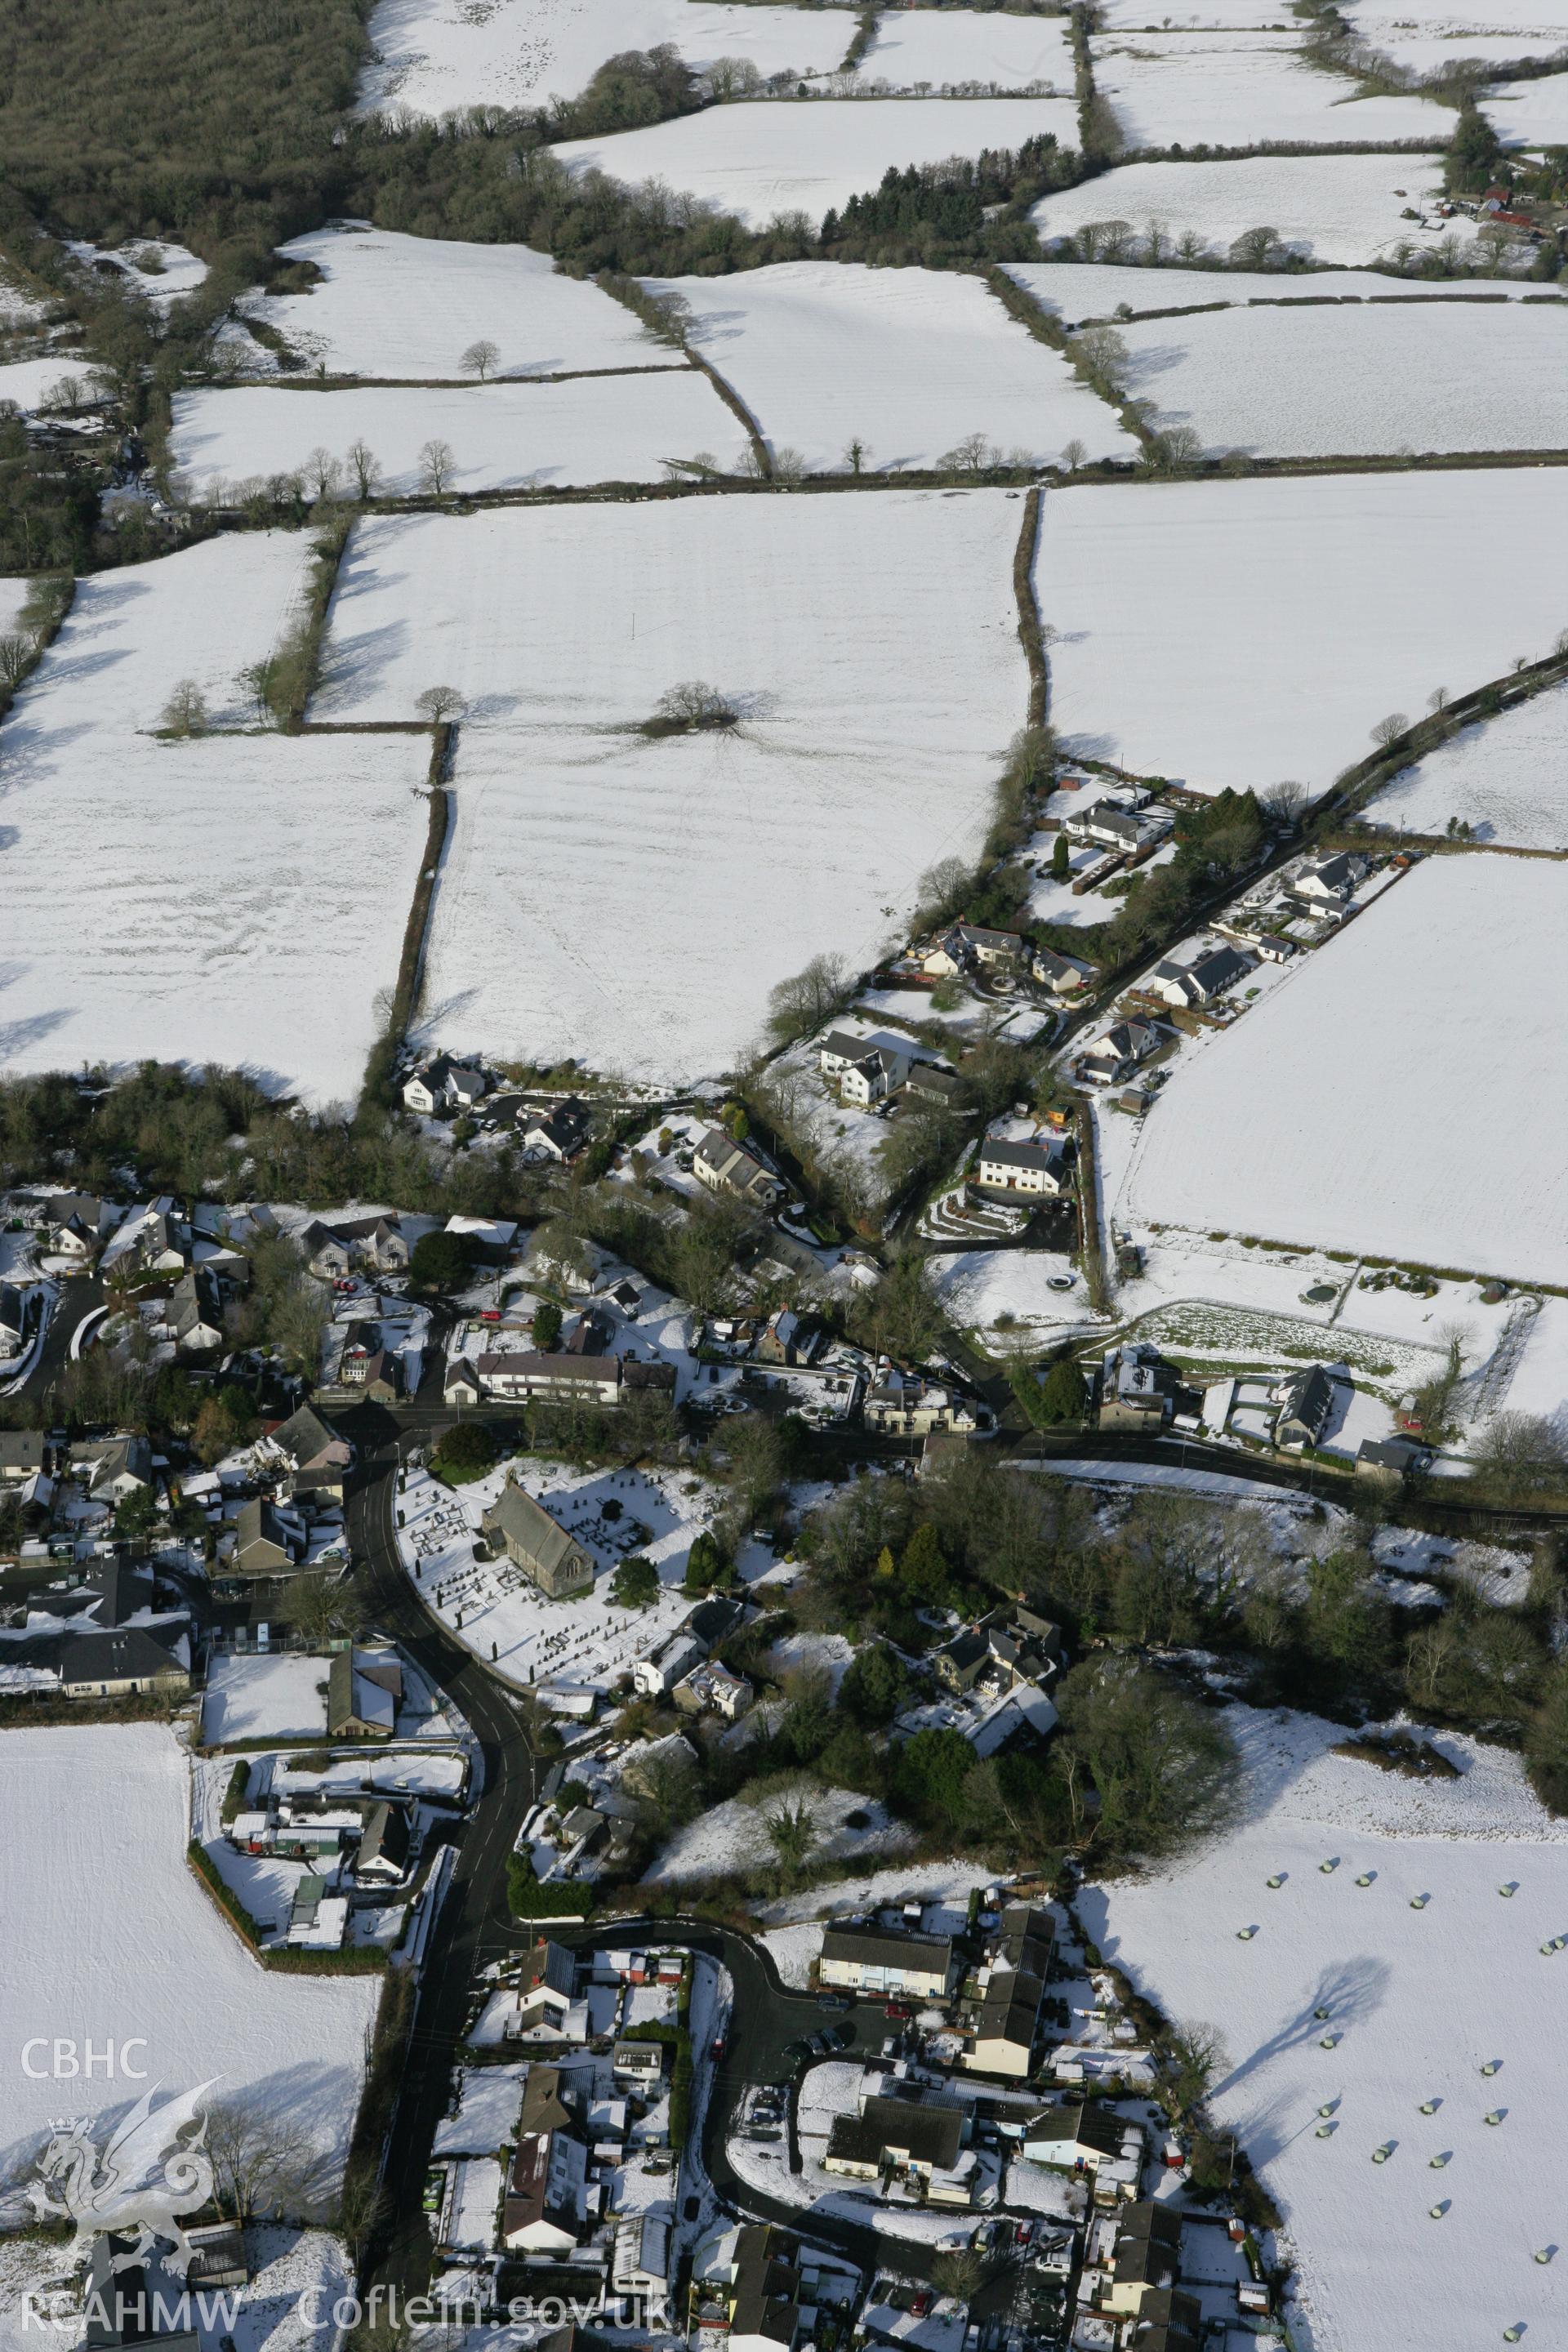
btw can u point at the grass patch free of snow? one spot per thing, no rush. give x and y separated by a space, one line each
508 436
761 158
603 893
1362 381
1506 778
912 360
1238 632
1448 987
1341 209
437 57
121 1940
411 306
1233 90
1419 2001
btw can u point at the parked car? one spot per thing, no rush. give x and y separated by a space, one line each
832 2001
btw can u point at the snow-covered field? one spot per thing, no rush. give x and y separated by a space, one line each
1529 113
433 57
1198 15
600 895
111 1936
612 429
33 383
1342 209
912 360
1237 632
948 47
1439 53
1373 379
264 1698
1448 987
1506 778
762 158
241 899
1233 89
411 306
1078 291
1418 2001
236 884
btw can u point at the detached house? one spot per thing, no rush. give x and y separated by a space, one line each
1136 1389
264 1544
1029 1167
361 1244
444 1084
195 1312
1206 977
556 1135
1119 1052
319 1459
365 1689
546 2204
73 1224
1328 882
722 1165
1306 1400
1106 824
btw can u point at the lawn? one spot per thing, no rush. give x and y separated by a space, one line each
1368 1149
631 901
1371 379
112 1938
912 360
1417 2002
761 158
265 1699
1237 632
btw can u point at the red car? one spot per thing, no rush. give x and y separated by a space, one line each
718 2049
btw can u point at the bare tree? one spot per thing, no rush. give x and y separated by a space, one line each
1282 803
974 456
1074 456
480 359
856 454
323 473
321 1606
1387 731
262 2163
692 708
437 465
1437 700
439 703
365 466
185 712
17 655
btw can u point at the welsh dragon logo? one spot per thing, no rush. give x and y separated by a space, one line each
155 2169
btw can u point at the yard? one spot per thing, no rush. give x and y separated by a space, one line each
1350 2010
265 1699
112 1938
910 360
1172 662
599 897
1364 1150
